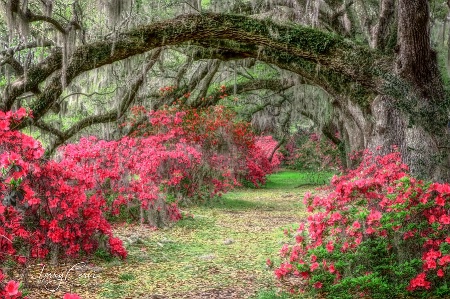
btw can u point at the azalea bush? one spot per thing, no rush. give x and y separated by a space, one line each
378 233
230 151
10 289
131 171
263 159
45 208
172 156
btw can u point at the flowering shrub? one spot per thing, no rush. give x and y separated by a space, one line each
10 289
262 159
223 144
45 207
306 151
132 170
268 145
379 233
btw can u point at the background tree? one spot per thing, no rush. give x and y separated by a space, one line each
80 64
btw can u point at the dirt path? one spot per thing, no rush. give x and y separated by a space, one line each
220 252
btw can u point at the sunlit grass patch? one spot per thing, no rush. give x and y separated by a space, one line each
293 179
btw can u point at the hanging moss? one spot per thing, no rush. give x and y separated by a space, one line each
338 66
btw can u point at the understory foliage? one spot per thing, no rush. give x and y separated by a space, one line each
45 207
379 233
229 151
58 208
309 151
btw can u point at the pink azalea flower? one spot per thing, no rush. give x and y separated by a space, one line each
12 288
318 285
71 296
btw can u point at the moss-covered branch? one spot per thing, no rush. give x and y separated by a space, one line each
30 81
303 50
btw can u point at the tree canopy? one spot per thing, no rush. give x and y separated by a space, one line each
85 63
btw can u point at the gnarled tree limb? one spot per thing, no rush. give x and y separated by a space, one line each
309 52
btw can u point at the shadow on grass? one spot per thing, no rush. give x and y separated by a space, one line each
285 180
197 223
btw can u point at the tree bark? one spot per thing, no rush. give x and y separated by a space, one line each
416 60
381 30
416 121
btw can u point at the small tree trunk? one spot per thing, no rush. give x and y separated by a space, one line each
157 214
380 31
54 253
142 215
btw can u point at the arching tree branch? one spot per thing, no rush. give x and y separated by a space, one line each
309 52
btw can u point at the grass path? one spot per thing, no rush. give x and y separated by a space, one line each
220 252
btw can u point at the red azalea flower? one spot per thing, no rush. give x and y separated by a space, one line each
12 288
331 268
71 296
318 285
330 246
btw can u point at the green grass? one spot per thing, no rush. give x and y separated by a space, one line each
113 291
289 179
232 202
271 294
126 276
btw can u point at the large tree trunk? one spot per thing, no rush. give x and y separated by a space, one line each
416 122
416 61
